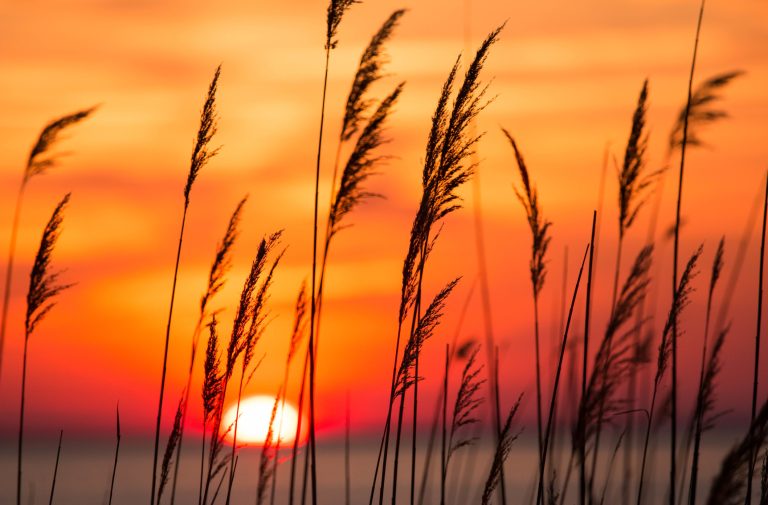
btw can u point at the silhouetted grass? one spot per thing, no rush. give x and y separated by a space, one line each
201 154
39 161
44 287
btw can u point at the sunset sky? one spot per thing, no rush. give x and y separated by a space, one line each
564 81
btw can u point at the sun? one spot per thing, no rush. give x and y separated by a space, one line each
255 414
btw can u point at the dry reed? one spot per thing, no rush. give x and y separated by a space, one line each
44 287
201 154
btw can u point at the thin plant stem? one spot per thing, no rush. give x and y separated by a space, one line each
542 464
583 435
313 468
753 452
673 437
9 268
443 462
294 450
645 446
165 355
56 468
21 418
117 454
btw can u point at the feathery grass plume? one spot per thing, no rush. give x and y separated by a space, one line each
216 276
539 226
336 10
614 356
701 110
268 454
679 301
467 402
728 485
424 330
299 322
213 386
360 165
503 448
448 145
37 164
44 287
223 258
696 421
252 310
56 468
117 453
297 333
368 71
201 154
705 404
632 179
173 440
212 376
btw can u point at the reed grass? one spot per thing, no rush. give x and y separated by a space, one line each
40 160
170 448
539 226
683 145
679 302
728 485
117 455
56 468
44 287
584 366
550 418
751 469
268 455
297 333
201 155
216 278
255 311
448 146
503 448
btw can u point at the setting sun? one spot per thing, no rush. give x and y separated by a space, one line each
255 413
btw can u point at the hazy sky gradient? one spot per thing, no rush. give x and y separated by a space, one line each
565 79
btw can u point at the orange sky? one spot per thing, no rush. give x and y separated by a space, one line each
565 76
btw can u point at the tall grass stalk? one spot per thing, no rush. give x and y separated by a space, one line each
679 302
448 146
633 184
257 315
201 154
539 226
44 287
543 462
56 468
335 12
753 456
297 333
117 455
684 142
38 163
584 365
216 277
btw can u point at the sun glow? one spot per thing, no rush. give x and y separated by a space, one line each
253 424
